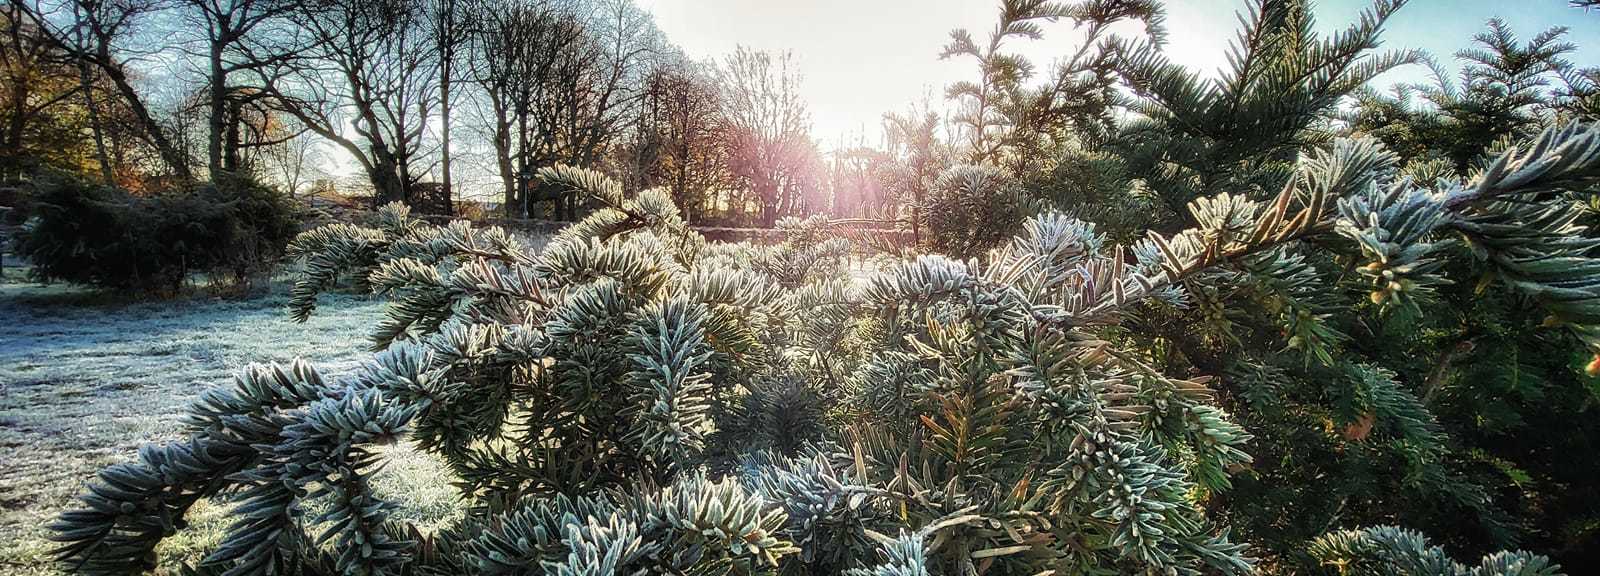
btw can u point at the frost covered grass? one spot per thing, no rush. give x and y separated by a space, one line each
85 379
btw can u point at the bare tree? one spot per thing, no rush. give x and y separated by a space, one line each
231 47
853 179
295 161
676 143
767 138
625 51
370 64
95 32
561 79
516 48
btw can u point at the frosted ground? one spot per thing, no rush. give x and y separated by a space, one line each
84 380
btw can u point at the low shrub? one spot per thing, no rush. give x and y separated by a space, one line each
98 235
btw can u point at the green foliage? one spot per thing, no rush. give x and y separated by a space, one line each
631 398
692 526
101 236
1399 369
1006 122
1391 550
903 556
971 209
1195 137
1506 89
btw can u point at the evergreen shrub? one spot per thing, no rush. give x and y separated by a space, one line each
87 233
631 399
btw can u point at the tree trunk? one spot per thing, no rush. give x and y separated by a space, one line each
217 119
916 213
508 174
11 170
386 185
524 167
164 146
446 58
687 205
769 212
85 78
444 131
231 141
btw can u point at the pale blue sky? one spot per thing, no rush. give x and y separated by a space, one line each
862 58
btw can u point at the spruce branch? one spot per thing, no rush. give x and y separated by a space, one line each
1392 550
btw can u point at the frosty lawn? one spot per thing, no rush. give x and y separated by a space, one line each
84 381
